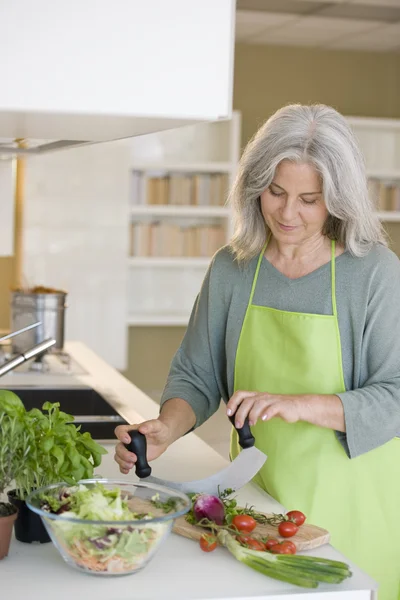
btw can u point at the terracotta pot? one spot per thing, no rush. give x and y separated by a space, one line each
6 526
28 526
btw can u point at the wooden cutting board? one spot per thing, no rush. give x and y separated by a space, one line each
307 537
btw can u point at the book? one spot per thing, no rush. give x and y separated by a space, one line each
136 188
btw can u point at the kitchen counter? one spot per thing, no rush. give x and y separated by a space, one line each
179 570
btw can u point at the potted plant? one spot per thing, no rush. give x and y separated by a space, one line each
57 452
14 449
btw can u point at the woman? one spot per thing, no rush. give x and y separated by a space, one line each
296 327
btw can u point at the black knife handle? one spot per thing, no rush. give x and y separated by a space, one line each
246 438
138 446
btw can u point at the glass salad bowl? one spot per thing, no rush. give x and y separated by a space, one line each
105 526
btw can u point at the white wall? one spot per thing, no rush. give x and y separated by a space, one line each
76 224
6 208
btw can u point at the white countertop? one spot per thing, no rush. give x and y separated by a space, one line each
179 570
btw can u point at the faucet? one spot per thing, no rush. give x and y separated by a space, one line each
31 353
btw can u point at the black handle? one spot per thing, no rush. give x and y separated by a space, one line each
246 438
138 446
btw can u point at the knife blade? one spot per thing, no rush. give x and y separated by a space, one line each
241 470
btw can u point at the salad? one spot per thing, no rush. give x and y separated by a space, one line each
96 546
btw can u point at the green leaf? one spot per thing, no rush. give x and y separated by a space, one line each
11 404
69 479
66 467
78 472
35 414
65 417
58 455
96 459
70 430
49 405
74 457
91 445
47 443
88 468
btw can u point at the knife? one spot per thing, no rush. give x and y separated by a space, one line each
241 470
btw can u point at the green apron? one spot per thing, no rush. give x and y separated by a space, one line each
307 469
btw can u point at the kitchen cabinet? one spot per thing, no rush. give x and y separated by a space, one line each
179 569
89 410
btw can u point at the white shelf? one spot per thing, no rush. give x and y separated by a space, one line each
178 320
180 211
162 289
390 174
389 216
379 124
182 167
174 262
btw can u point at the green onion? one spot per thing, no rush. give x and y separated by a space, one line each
304 571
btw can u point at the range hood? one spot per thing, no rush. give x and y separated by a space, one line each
76 72
10 148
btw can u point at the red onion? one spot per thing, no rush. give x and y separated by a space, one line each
209 507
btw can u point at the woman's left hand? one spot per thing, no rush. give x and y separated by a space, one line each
263 406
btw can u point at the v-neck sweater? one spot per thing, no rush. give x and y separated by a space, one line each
368 308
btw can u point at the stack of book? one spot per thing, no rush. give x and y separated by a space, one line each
386 196
159 239
205 189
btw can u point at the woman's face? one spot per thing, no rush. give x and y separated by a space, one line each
293 206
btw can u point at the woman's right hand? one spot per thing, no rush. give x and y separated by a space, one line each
158 437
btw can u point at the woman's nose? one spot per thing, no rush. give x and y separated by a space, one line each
288 210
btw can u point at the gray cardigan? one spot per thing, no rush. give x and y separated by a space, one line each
368 304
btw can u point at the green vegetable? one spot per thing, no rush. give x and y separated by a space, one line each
209 507
11 404
170 505
98 547
231 509
14 452
304 571
101 504
46 445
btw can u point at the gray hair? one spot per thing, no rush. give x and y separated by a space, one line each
320 136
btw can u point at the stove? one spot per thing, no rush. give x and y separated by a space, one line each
52 362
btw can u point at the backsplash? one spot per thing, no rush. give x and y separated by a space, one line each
76 239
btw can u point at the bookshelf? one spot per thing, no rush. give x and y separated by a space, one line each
380 142
207 212
177 217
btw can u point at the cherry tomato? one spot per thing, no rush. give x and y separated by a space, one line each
255 544
287 529
251 542
283 548
244 523
290 545
296 516
208 543
243 538
271 542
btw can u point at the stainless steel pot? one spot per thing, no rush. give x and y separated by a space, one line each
27 308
